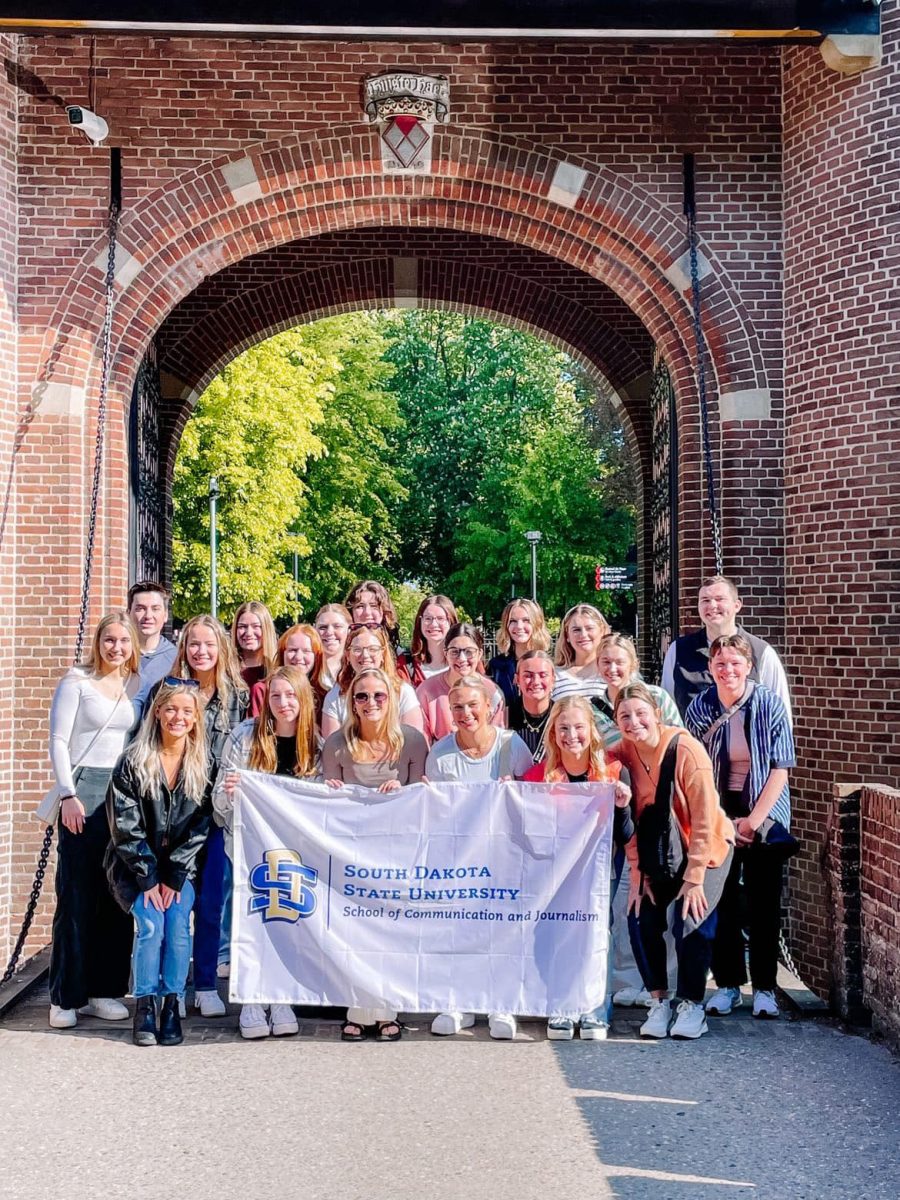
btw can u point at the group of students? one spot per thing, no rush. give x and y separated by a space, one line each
147 738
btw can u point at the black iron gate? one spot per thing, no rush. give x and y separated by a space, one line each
663 517
145 556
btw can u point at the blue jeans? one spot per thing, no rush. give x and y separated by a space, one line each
162 945
225 935
208 913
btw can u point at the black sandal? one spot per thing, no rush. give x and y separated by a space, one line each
382 1036
358 1036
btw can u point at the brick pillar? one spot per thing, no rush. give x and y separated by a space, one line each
842 883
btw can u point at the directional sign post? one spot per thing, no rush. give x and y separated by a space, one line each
615 579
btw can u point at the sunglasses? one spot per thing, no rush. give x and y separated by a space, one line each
375 697
364 625
177 681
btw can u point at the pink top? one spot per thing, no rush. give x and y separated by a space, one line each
434 697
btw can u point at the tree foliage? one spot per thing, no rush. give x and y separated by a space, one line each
415 447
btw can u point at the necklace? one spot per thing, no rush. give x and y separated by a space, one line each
532 726
643 764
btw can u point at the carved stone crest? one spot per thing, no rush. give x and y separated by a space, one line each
406 106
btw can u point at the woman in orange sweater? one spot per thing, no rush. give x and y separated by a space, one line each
681 850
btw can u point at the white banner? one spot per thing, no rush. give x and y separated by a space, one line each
481 897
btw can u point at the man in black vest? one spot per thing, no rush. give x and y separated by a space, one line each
685 670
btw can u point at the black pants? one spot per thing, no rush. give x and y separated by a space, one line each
92 936
761 870
694 949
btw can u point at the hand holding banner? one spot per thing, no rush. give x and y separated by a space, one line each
473 897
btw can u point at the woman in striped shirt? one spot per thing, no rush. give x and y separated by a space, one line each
747 733
617 662
583 629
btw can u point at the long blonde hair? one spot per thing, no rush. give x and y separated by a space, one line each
554 771
263 753
540 634
269 636
565 655
228 678
94 658
389 728
143 753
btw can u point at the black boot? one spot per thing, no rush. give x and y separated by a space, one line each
170 1022
144 1029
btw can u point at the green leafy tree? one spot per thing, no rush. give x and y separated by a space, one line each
253 428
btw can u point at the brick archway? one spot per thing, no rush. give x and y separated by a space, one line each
571 210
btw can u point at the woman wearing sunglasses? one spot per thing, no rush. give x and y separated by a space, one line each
577 648
373 750
464 648
280 741
367 647
206 656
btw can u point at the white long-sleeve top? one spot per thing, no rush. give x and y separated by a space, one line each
78 711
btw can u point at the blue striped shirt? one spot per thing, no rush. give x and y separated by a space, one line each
769 737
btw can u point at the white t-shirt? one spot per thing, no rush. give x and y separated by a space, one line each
446 763
78 712
335 705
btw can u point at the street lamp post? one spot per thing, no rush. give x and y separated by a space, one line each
213 584
532 536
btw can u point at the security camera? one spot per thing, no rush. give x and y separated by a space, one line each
94 128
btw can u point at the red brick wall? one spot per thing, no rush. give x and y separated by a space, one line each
879 814
181 108
842 353
8 231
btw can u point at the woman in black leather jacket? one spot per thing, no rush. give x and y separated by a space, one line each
159 810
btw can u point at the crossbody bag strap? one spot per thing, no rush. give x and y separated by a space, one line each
726 716
100 732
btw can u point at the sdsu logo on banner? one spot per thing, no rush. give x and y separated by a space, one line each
469 896
282 887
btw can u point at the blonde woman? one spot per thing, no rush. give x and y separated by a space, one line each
206 655
90 717
159 815
581 632
280 741
575 754
368 648
332 625
255 641
618 665
522 630
373 750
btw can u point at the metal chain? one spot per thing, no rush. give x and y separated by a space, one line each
106 344
700 350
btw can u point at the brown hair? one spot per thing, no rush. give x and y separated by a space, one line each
269 636
147 585
732 641
263 751
418 648
554 771
540 634
385 603
565 655
637 691
712 580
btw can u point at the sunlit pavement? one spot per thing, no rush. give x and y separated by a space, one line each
788 1110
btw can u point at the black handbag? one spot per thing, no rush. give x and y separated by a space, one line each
775 837
659 845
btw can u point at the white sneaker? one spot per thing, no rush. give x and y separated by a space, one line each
209 1003
62 1018
560 1029
447 1024
502 1026
592 1029
765 1006
104 1008
657 1023
690 1021
283 1021
254 1023
182 1008
632 997
223 970
724 1000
